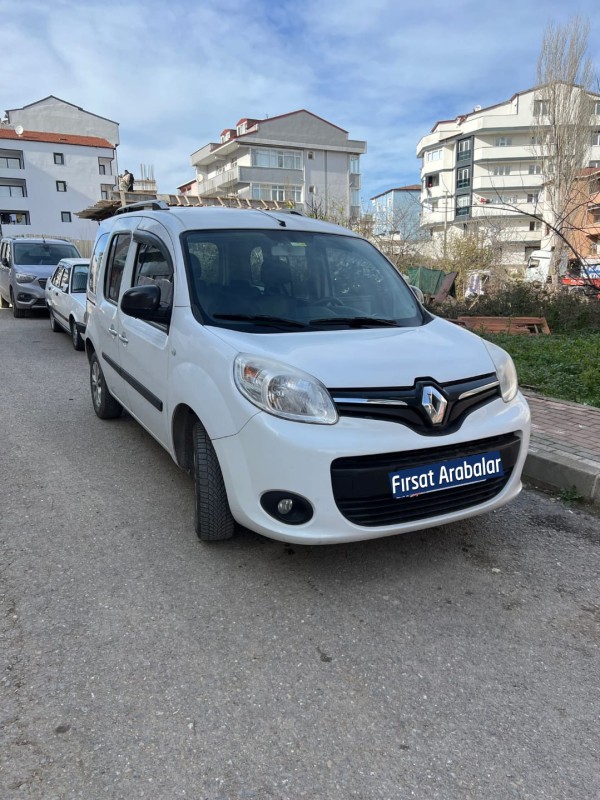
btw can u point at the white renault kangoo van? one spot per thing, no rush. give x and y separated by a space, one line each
285 364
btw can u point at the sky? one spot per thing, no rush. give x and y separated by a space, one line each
175 73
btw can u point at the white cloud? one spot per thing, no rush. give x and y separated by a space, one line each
175 74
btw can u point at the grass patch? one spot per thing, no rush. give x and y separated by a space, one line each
560 366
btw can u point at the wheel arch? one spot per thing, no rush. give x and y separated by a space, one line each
182 426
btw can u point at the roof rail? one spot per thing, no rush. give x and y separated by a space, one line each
150 205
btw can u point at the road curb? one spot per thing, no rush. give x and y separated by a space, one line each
557 471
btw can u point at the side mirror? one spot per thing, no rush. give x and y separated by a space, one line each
5 262
417 293
143 302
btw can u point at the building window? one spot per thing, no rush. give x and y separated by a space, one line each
65 216
105 191
12 189
502 169
59 158
597 108
61 186
102 169
464 150
278 159
463 205
463 177
12 161
434 204
355 165
535 169
431 181
533 198
535 226
540 108
434 155
278 193
14 217
536 141
310 155
596 139
503 141
595 164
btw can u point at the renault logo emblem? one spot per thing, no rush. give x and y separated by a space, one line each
434 404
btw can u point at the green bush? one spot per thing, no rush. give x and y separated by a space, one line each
561 366
564 312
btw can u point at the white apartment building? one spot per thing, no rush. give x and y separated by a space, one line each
55 160
295 159
485 169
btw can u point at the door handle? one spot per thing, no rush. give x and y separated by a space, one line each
112 331
123 338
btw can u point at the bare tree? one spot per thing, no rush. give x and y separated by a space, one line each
561 134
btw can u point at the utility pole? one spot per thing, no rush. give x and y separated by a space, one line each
445 224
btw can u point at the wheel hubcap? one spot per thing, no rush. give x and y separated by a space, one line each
96 385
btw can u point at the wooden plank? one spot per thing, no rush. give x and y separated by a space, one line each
513 325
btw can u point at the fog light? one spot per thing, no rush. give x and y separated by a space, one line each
287 507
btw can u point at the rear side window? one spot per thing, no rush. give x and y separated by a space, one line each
64 279
55 279
96 260
116 263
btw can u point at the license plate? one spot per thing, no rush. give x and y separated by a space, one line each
446 474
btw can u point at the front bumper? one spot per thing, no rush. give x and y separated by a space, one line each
30 295
272 454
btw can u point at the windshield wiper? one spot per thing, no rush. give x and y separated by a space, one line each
263 319
356 322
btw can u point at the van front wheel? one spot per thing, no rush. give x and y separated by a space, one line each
105 405
212 517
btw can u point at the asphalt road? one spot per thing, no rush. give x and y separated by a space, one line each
459 662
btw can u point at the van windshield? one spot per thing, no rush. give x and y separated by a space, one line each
269 281
42 253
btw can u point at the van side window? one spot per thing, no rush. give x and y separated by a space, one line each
153 268
96 260
116 263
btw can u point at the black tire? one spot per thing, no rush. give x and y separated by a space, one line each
18 313
54 326
76 336
105 405
212 517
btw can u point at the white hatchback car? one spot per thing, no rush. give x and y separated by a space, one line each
66 298
285 363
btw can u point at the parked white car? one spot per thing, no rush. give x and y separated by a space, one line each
286 364
66 298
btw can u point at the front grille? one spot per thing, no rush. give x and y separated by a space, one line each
403 404
361 485
42 282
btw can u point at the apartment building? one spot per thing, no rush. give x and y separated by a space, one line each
397 211
485 169
584 217
296 159
55 160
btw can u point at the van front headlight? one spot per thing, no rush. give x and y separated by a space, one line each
283 390
505 371
24 277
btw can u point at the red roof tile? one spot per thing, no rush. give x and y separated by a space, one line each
55 138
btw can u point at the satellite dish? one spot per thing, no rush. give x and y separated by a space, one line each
19 130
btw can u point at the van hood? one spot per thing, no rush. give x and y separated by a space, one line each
373 357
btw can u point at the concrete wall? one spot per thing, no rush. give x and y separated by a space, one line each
52 115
